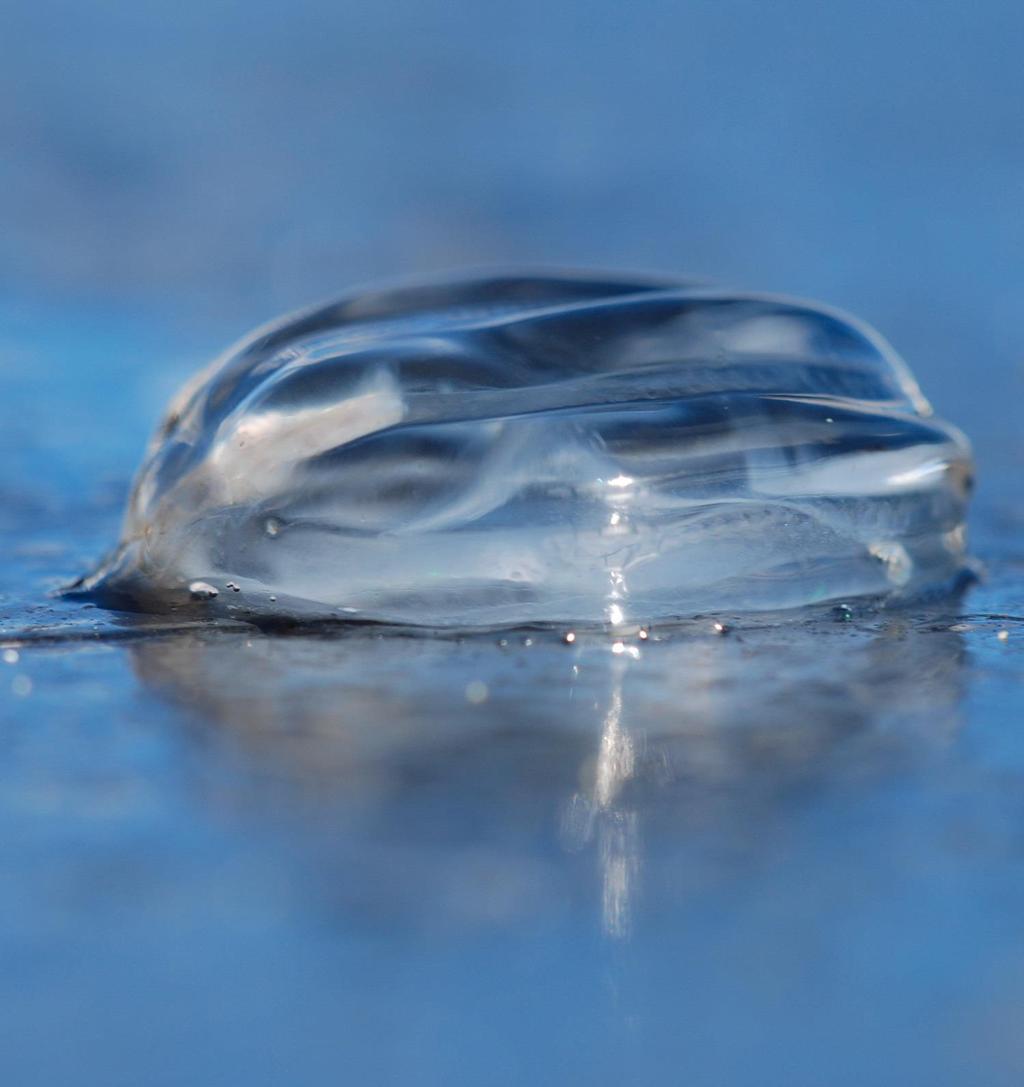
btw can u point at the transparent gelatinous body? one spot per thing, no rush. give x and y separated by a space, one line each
521 449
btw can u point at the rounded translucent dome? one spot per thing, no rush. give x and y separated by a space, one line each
528 449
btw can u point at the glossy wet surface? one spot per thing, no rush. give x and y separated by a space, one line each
482 452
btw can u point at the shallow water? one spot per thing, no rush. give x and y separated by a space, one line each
298 858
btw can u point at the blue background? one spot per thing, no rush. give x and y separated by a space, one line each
214 164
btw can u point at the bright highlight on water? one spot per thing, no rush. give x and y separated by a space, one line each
533 449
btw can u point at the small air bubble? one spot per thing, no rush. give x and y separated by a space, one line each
233 587
271 526
202 590
569 638
1003 635
843 613
11 656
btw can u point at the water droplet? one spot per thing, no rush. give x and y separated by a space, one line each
202 590
569 638
548 537
1003 635
843 613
